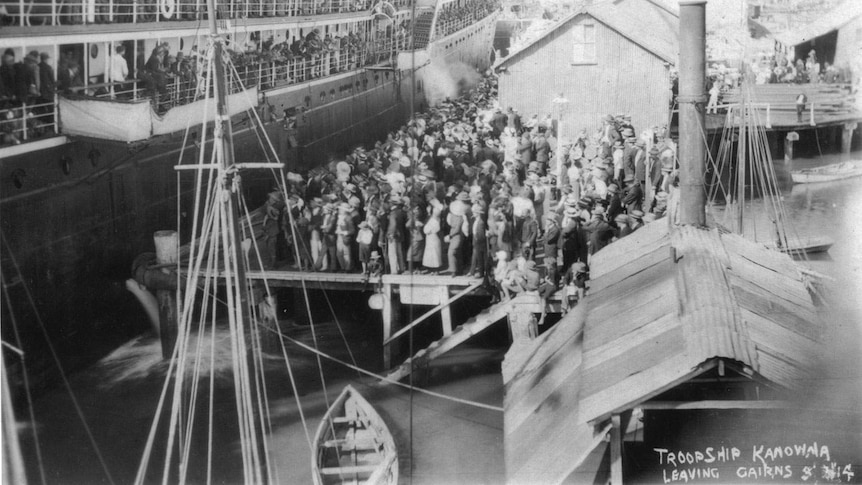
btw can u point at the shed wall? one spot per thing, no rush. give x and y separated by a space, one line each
849 48
626 79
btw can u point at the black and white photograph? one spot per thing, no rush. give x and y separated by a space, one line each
430 242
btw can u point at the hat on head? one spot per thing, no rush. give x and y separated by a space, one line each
463 196
621 218
599 211
618 143
613 188
637 214
579 267
551 218
654 150
375 255
571 211
363 224
640 143
44 56
662 196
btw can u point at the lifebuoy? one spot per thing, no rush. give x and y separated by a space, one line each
167 7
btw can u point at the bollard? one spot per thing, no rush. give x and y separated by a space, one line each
788 145
167 252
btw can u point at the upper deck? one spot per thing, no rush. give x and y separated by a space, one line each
90 18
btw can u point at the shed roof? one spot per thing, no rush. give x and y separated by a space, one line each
650 24
663 305
838 17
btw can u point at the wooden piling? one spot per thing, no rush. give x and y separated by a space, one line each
391 320
788 145
847 136
167 253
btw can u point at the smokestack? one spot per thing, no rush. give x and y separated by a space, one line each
692 98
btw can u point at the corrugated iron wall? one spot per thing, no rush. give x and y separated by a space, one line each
626 79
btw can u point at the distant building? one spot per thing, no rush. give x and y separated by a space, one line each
836 36
605 58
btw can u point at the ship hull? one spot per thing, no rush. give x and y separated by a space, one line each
85 209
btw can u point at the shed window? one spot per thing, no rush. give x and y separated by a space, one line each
584 44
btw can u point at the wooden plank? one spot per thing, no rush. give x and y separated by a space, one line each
628 321
784 313
349 470
616 451
768 333
431 312
605 317
643 356
640 387
635 266
717 404
626 341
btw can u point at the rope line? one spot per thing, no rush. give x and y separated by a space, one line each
387 379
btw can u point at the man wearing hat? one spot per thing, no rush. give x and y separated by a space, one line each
621 221
47 86
599 232
551 237
636 217
613 201
272 227
640 158
633 196
395 234
478 231
542 148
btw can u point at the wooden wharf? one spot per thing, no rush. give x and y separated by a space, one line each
394 290
439 291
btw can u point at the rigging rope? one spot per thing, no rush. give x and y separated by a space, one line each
56 358
391 381
25 378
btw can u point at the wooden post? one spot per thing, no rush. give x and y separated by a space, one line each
167 252
847 136
616 451
391 319
446 311
788 145
523 325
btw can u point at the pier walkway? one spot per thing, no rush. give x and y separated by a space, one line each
828 105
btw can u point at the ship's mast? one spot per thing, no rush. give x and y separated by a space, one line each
230 180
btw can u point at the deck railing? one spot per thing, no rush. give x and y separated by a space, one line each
27 13
29 122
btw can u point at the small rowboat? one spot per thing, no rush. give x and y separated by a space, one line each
827 173
798 247
353 445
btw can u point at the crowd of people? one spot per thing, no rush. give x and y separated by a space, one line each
778 68
467 188
173 79
456 15
27 95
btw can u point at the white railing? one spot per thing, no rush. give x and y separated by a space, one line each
27 122
27 13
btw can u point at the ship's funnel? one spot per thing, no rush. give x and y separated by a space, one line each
692 100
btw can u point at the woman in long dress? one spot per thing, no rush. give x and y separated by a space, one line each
417 239
432 258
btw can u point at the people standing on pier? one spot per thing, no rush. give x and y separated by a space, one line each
440 185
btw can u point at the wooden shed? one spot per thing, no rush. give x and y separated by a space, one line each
836 36
605 58
690 340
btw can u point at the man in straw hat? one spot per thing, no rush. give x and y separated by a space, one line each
478 231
